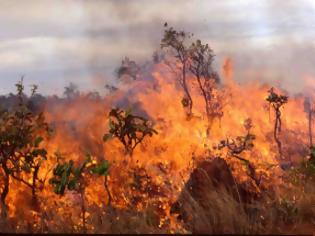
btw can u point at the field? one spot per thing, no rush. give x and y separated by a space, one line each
175 148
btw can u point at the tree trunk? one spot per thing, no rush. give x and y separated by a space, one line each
208 113
310 128
107 190
276 128
185 87
83 211
34 196
4 193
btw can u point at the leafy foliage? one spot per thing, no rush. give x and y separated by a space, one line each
176 40
21 133
277 101
68 176
202 57
101 169
312 155
197 59
129 68
128 128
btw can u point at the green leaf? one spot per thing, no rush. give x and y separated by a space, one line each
107 137
141 127
58 170
26 167
128 111
60 189
39 152
78 171
88 157
38 140
101 169
53 181
72 184
245 163
66 173
111 124
64 179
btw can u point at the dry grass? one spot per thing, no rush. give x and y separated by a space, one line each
291 212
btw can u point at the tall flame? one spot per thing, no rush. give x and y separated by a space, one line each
79 125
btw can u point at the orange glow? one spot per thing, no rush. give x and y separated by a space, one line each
80 124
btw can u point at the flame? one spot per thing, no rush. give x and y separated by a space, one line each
79 125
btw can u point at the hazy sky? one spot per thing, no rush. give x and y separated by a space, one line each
55 42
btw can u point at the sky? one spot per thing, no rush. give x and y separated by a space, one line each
53 43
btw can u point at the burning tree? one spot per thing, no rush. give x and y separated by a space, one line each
128 128
175 40
277 101
67 176
310 110
128 68
201 58
239 145
20 153
71 91
110 88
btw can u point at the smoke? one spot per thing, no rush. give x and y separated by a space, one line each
271 42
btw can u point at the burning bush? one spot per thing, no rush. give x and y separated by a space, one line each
73 178
128 128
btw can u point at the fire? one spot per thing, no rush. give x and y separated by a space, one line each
168 158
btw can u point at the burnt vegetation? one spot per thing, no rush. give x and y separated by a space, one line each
120 178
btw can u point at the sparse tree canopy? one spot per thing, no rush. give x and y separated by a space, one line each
111 88
176 41
128 128
277 101
201 59
196 59
128 68
71 91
